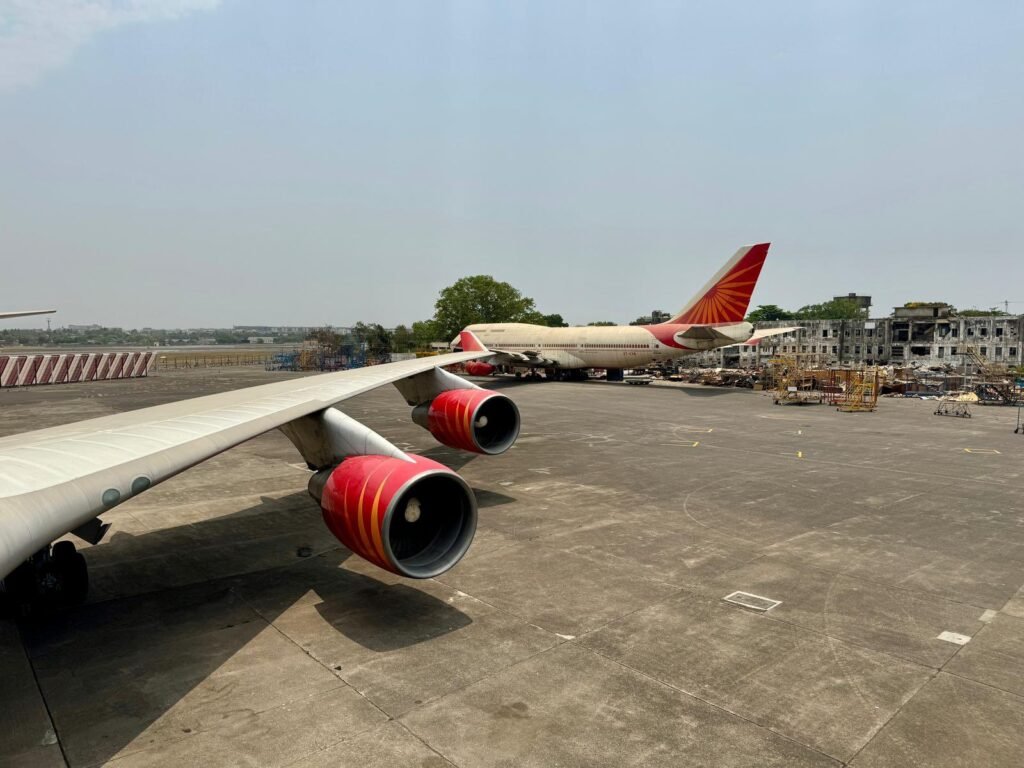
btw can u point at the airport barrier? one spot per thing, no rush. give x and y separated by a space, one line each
68 368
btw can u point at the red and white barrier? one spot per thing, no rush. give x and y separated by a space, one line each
28 370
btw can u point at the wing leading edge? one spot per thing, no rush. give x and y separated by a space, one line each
54 480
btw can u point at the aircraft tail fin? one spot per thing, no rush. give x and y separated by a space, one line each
726 296
470 343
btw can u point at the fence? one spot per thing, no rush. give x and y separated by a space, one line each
30 370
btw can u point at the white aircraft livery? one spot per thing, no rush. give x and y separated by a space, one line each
713 318
403 512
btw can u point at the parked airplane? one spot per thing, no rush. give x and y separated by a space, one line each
26 313
713 318
405 513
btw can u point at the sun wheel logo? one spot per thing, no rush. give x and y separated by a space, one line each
727 300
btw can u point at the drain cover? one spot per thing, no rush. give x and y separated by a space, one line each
754 602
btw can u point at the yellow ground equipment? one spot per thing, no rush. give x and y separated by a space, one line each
791 384
854 391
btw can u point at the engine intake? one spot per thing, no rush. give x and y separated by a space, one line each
415 518
474 420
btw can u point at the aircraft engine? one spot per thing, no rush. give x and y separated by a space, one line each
479 368
474 420
415 518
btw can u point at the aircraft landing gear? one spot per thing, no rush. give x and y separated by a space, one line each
54 578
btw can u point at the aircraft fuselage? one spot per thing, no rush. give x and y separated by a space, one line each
621 346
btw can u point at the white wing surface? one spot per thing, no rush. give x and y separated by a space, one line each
54 480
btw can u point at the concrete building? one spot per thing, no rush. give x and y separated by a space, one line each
916 334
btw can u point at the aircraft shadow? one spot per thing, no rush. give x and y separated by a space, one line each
486 498
450 457
705 391
186 607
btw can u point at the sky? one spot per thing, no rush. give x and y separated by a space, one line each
205 163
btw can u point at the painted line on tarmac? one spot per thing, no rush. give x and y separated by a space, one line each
980 450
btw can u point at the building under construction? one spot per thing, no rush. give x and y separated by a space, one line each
918 334
923 348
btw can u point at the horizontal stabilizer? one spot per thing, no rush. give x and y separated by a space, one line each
703 332
764 333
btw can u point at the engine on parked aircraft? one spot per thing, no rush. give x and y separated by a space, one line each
479 368
413 516
475 420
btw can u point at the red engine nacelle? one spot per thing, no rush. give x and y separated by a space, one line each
414 518
479 368
474 420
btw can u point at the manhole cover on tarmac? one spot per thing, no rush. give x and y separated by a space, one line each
754 602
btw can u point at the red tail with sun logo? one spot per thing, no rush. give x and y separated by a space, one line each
727 295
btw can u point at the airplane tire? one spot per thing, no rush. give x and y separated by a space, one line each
63 550
73 573
48 582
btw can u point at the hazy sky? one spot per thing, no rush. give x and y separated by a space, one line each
205 163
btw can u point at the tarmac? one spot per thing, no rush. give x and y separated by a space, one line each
588 624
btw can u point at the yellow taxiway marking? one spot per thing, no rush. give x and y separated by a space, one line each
799 454
980 450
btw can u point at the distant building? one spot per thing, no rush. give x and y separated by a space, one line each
922 334
277 330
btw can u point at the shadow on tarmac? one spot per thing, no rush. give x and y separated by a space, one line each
193 597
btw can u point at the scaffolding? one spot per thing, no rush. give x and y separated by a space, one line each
791 384
995 384
956 404
330 350
853 391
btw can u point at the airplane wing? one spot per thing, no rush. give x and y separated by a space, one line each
54 480
470 343
25 313
528 356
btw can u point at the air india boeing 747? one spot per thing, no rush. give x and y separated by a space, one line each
712 318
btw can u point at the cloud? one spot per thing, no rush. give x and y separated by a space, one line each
38 36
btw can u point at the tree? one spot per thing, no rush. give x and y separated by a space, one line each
657 316
401 339
554 321
602 322
375 339
326 338
766 312
424 332
837 309
972 312
479 299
